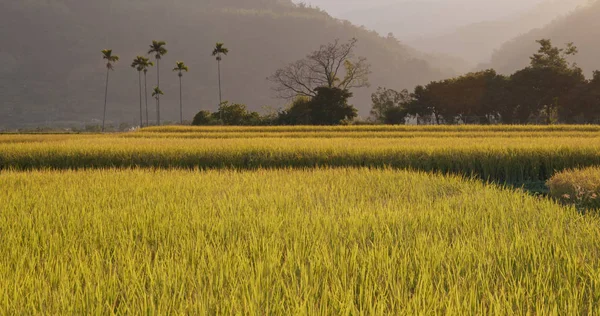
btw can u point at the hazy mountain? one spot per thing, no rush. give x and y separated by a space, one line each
51 68
477 41
581 27
412 19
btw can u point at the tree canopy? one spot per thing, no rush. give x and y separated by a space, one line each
551 89
330 66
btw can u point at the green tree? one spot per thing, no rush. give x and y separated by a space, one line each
298 113
180 67
584 102
540 89
427 103
549 56
137 65
157 48
329 107
145 63
107 54
156 93
219 51
203 118
390 106
236 114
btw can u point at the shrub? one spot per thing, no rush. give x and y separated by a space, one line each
202 118
329 107
580 187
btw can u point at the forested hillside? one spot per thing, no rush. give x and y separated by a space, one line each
51 68
581 27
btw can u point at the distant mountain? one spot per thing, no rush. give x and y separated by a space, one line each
414 19
51 68
581 27
476 42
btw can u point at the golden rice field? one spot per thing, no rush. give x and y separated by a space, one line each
513 155
297 220
320 241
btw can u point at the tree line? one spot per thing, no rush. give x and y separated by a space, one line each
550 90
318 87
141 64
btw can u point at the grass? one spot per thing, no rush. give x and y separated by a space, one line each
300 220
580 187
498 159
376 129
315 241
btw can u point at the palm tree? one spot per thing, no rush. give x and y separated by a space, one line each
156 95
158 49
137 65
110 59
219 51
180 67
145 63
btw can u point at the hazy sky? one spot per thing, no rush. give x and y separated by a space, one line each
421 17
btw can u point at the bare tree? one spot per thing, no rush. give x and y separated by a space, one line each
331 66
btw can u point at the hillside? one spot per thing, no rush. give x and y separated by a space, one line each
476 42
51 69
581 27
414 19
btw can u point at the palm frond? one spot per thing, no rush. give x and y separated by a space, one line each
110 58
219 50
157 92
180 66
158 49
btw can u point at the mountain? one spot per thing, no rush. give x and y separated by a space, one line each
51 69
581 27
413 19
476 42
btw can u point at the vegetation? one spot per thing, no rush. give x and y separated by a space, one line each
516 156
313 217
580 25
580 187
180 67
331 66
141 63
282 242
551 90
156 93
110 60
68 90
389 106
233 114
157 48
218 52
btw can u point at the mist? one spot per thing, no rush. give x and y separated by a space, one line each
57 74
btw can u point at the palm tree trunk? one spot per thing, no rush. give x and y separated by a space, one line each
141 111
158 96
146 98
220 93
180 101
105 98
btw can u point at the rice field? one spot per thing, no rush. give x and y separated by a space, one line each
288 220
515 156
319 241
